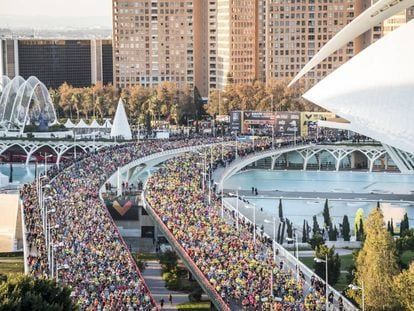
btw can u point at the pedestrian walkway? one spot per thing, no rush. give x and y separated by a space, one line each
153 277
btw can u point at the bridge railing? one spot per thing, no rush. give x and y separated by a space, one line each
233 167
189 263
293 262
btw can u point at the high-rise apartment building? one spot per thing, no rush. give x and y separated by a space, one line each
209 43
155 41
80 63
397 20
296 30
237 41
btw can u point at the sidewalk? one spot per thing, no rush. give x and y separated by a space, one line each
153 278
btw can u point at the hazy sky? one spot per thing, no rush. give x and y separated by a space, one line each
56 7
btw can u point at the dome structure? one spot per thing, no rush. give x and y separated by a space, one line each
24 102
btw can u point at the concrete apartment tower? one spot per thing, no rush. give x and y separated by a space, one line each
154 42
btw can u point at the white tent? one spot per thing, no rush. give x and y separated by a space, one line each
95 124
82 125
121 127
107 124
69 124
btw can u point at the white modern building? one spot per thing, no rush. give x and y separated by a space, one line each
374 91
24 102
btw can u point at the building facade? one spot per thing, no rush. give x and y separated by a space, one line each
154 41
80 63
210 43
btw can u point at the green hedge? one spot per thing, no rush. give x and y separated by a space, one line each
11 254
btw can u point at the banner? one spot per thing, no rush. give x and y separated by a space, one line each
287 123
309 121
236 121
123 208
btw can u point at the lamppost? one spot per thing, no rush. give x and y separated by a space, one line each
222 199
274 236
237 209
355 287
254 221
296 250
319 260
237 152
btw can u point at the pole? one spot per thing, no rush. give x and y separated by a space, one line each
326 283
45 164
237 207
254 224
271 281
209 174
237 153
274 239
222 203
297 257
74 142
363 296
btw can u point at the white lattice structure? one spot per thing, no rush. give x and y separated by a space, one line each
24 102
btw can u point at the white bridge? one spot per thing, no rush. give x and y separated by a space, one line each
372 153
58 147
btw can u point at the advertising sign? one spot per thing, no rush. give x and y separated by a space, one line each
287 123
235 121
309 121
223 118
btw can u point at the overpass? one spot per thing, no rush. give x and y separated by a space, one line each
58 147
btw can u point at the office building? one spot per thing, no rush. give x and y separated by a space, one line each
80 63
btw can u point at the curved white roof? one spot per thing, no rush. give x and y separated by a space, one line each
371 17
375 90
121 125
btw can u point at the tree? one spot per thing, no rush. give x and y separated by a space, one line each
315 228
168 260
404 226
345 228
304 232
278 234
289 229
326 215
22 292
360 231
332 233
358 217
376 265
316 240
283 232
404 288
334 264
280 210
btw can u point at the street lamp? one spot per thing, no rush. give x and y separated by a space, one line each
319 260
274 236
355 287
222 200
254 221
296 250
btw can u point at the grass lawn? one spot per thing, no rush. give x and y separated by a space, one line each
194 306
346 261
146 256
11 265
407 257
